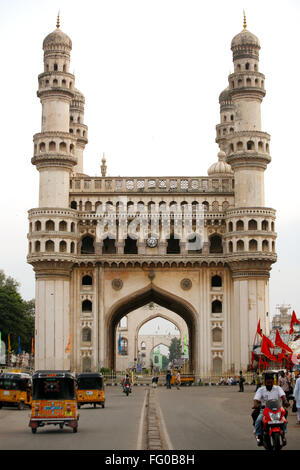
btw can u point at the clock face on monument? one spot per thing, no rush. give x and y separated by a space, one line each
152 242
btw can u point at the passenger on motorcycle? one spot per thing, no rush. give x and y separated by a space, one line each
267 392
126 380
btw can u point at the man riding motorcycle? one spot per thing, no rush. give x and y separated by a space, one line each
127 381
267 392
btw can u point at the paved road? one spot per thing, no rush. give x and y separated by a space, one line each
210 418
214 418
114 427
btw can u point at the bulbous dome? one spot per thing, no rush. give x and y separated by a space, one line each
220 167
245 38
225 96
57 38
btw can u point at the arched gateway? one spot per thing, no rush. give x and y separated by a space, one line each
139 298
201 246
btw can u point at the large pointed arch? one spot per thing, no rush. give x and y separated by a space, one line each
138 299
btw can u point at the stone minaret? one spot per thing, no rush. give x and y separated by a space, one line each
250 236
52 229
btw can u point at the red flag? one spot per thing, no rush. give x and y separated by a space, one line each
259 330
266 344
294 319
280 343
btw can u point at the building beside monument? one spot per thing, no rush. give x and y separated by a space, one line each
103 247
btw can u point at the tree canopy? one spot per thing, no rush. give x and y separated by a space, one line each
16 315
175 349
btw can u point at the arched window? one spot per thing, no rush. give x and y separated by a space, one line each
124 347
216 281
49 246
109 246
87 245
216 245
252 245
217 366
265 225
63 147
37 226
230 227
87 306
88 206
73 205
205 205
52 146
250 145
72 247
62 226
252 224
216 306
87 280
230 247
265 245
143 345
173 246
130 247
72 227
62 246
37 246
217 335
50 225
239 225
240 245
86 334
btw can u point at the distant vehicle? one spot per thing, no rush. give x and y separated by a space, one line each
15 389
90 389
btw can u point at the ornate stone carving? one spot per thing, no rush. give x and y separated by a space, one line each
117 284
186 284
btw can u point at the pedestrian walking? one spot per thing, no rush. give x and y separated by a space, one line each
297 398
168 379
241 381
178 380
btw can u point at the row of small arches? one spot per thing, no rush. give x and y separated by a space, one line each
251 225
247 82
53 146
51 226
252 245
250 145
57 83
88 206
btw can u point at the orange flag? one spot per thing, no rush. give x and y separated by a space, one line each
68 348
266 344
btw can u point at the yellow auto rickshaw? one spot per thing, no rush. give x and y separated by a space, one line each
15 389
54 400
90 389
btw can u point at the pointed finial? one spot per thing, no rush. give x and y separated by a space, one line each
103 166
245 22
57 21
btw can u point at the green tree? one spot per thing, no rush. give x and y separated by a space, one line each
175 349
16 315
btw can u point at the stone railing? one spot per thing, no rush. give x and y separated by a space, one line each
151 184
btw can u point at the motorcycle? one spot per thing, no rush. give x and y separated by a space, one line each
127 389
273 423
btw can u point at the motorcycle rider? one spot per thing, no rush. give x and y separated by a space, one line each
126 380
267 392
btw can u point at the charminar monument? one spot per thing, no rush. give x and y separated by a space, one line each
102 247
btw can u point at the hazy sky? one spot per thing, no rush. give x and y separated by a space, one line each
151 72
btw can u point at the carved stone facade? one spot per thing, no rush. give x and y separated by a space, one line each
102 247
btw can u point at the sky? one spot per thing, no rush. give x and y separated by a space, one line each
151 72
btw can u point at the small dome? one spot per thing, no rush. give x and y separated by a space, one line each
245 38
225 96
220 167
57 37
